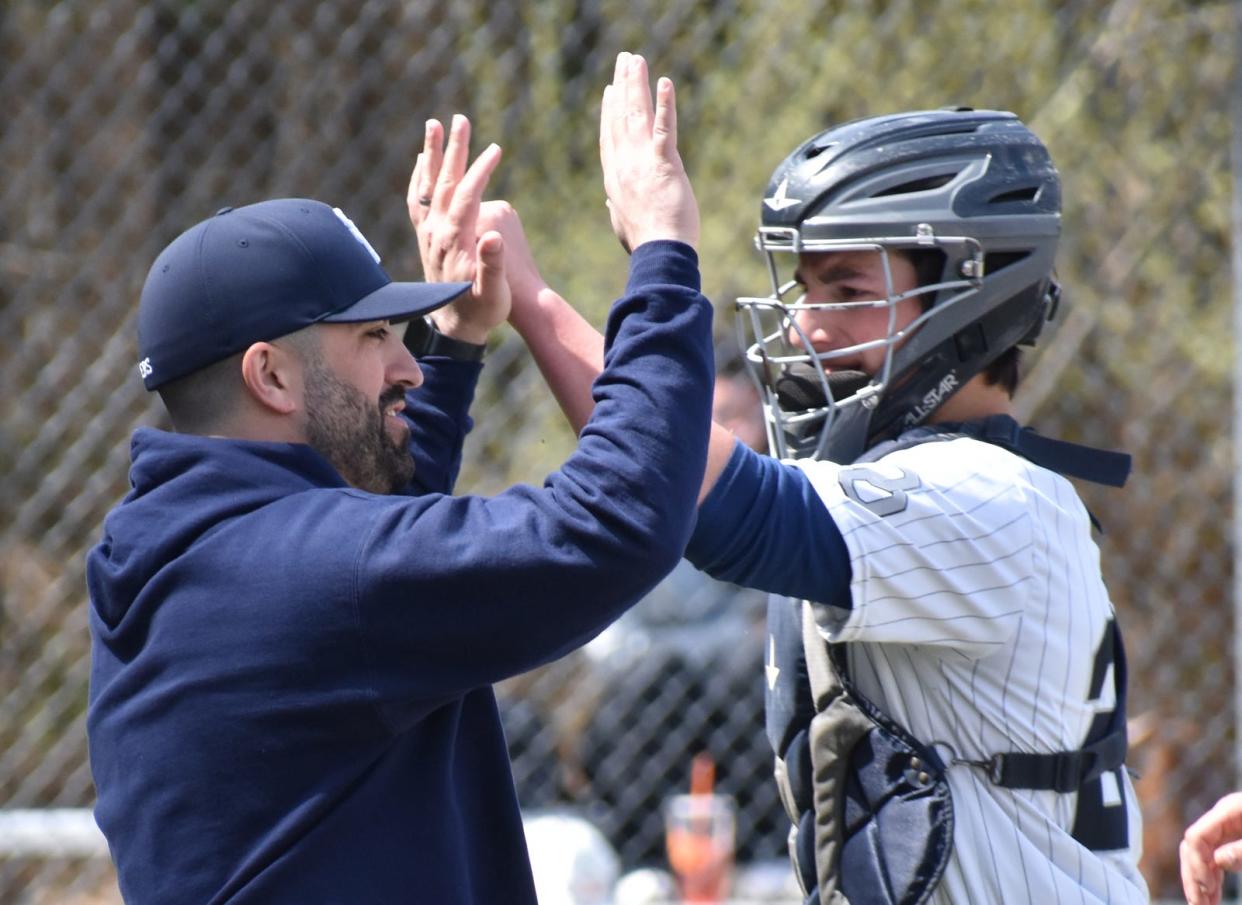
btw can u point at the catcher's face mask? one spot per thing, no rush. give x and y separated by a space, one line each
825 342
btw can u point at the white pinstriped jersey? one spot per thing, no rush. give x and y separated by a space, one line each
977 610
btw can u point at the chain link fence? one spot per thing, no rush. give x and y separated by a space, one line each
124 122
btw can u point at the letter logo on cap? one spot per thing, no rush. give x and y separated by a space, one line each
357 233
144 368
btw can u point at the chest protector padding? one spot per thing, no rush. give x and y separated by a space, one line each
883 810
871 808
850 777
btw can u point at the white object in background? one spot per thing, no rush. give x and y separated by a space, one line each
572 861
645 886
51 833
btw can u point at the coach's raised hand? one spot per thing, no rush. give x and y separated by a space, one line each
649 194
443 201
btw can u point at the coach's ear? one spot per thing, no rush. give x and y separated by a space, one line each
273 377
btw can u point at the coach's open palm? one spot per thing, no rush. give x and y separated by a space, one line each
443 201
649 194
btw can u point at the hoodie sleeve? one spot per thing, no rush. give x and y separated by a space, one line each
456 592
438 413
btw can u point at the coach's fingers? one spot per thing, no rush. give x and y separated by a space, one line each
605 131
454 164
464 209
419 195
417 204
475 181
411 193
617 102
637 98
433 159
664 129
606 150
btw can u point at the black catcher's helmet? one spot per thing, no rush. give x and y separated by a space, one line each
975 186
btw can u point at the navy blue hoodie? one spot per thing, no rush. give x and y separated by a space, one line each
290 694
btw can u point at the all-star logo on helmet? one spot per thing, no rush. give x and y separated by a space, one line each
780 199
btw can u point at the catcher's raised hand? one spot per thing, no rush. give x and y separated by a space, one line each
443 202
649 194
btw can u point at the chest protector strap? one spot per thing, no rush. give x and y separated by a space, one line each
871 808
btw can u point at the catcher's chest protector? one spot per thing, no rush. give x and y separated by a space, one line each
871 808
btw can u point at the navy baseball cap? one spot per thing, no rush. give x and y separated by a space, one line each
260 272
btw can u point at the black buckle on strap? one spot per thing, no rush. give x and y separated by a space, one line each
1063 772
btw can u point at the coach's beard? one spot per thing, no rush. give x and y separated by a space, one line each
351 433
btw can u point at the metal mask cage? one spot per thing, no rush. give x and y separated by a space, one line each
773 342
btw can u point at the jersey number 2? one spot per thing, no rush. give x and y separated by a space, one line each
883 494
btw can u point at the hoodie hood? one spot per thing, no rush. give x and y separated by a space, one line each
183 486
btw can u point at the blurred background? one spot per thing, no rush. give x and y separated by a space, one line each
124 122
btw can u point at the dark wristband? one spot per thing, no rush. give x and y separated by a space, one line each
423 339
